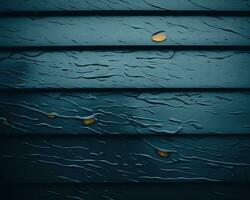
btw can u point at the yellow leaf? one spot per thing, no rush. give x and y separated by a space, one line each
162 153
52 115
159 36
89 121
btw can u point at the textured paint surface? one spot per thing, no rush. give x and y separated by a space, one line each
125 159
106 191
124 31
86 5
128 99
125 69
125 113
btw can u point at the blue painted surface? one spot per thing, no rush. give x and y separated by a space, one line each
130 5
125 69
124 31
102 112
92 107
121 159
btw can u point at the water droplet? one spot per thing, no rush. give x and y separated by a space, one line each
89 121
163 153
159 36
52 115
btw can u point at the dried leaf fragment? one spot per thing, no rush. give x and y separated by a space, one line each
159 36
52 115
163 153
89 121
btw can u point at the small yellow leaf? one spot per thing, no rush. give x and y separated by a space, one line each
52 115
163 153
89 121
159 36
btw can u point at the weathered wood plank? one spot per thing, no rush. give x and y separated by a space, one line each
125 112
125 159
149 191
86 5
125 69
124 31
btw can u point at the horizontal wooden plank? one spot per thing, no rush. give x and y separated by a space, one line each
86 5
177 191
125 112
125 159
125 69
124 31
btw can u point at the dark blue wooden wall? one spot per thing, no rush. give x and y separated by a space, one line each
124 99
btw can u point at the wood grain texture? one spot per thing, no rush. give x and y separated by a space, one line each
124 31
125 69
92 108
125 112
149 191
86 5
125 159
